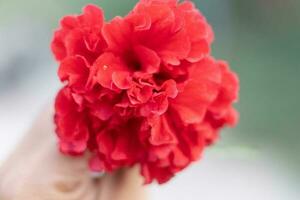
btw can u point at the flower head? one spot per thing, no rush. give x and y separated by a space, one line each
141 89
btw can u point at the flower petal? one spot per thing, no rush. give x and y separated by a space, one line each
148 58
116 34
200 91
161 132
106 65
75 70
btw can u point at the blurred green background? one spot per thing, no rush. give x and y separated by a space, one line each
259 38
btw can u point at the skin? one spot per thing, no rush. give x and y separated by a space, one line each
36 170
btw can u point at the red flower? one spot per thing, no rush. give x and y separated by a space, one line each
142 89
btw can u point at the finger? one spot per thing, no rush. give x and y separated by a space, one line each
105 188
125 184
131 185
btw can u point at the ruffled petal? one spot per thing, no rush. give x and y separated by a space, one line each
148 58
200 91
116 34
161 132
71 126
106 65
75 70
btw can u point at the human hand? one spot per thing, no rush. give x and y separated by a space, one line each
38 171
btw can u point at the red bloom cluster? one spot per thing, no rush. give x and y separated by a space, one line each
141 89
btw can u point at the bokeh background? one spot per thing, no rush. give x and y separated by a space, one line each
259 159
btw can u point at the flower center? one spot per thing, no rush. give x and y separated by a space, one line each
132 61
